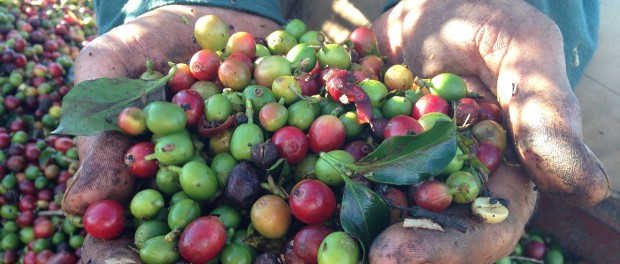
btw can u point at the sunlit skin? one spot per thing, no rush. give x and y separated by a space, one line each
489 42
495 44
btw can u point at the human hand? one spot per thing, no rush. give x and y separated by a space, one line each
482 242
160 35
516 52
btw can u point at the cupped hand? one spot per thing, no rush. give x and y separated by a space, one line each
481 242
514 52
160 35
517 53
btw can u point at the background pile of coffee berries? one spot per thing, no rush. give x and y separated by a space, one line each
535 246
38 42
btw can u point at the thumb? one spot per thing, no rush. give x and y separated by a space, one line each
117 250
482 243
101 174
544 119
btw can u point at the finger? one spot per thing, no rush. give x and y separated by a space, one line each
517 52
544 119
101 174
161 35
482 243
62 257
117 250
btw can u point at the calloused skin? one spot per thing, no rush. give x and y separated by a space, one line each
493 44
517 53
162 36
497 45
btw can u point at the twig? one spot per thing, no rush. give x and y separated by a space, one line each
484 178
51 213
526 259
441 219
274 188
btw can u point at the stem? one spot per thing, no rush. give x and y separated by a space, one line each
198 144
462 157
375 50
526 259
474 95
75 220
173 168
149 66
297 93
151 156
441 219
272 187
297 68
135 250
159 203
315 46
423 83
185 20
349 44
463 188
51 213
482 175
224 55
230 234
67 159
464 143
340 166
74 17
313 100
336 111
249 111
466 123
162 81
173 234
454 190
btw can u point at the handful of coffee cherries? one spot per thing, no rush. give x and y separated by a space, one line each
284 146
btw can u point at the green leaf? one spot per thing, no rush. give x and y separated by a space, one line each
29 120
404 160
45 157
7 119
363 214
92 106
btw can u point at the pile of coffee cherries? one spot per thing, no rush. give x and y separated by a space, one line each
38 43
536 246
